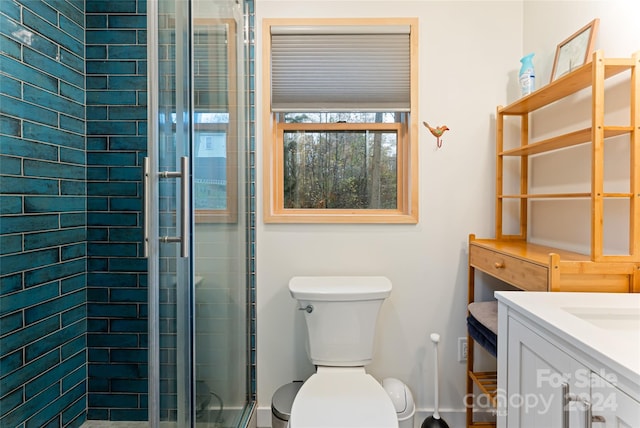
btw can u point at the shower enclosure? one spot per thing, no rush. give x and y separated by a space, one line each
196 214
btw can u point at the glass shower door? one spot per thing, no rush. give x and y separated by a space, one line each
169 216
196 175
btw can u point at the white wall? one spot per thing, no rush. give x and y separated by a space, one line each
469 57
559 222
547 23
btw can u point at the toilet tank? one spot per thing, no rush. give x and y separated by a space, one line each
341 316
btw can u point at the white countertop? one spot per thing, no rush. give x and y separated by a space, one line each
605 326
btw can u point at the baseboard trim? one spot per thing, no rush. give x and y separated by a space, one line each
454 418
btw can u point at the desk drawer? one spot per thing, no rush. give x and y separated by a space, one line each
517 272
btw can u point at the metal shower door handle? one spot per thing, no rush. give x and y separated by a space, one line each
185 204
147 204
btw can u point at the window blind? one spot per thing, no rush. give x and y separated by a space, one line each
340 68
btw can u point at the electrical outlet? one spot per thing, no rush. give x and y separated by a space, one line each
462 349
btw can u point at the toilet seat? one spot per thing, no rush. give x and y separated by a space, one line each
342 397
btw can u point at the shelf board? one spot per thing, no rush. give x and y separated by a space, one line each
566 140
536 253
546 196
564 195
617 195
566 85
487 382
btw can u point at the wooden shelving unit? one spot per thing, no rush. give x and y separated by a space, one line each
527 266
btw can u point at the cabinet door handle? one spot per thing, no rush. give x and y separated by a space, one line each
567 398
587 413
498 265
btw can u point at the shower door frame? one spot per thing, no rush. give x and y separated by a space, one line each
185 366
186 350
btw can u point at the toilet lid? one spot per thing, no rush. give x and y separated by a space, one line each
344 398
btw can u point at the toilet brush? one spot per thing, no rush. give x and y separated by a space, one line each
435 421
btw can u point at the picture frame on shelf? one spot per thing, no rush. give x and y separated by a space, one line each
575 51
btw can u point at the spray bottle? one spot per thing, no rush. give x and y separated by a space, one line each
527 76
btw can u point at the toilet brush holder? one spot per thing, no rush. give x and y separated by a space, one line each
435 421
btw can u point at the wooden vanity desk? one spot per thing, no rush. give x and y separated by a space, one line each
532 267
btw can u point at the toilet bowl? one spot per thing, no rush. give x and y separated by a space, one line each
340 314
342 397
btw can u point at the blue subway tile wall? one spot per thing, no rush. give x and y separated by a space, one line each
72 279
43 214
116 142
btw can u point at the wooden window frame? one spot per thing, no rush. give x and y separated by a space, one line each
273 135
230 213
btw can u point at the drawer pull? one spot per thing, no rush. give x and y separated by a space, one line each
498 265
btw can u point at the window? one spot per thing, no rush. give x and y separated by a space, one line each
340 121
214 171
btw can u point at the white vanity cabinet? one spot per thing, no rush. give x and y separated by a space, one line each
552 371
539 377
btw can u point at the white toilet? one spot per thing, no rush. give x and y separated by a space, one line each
340 314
